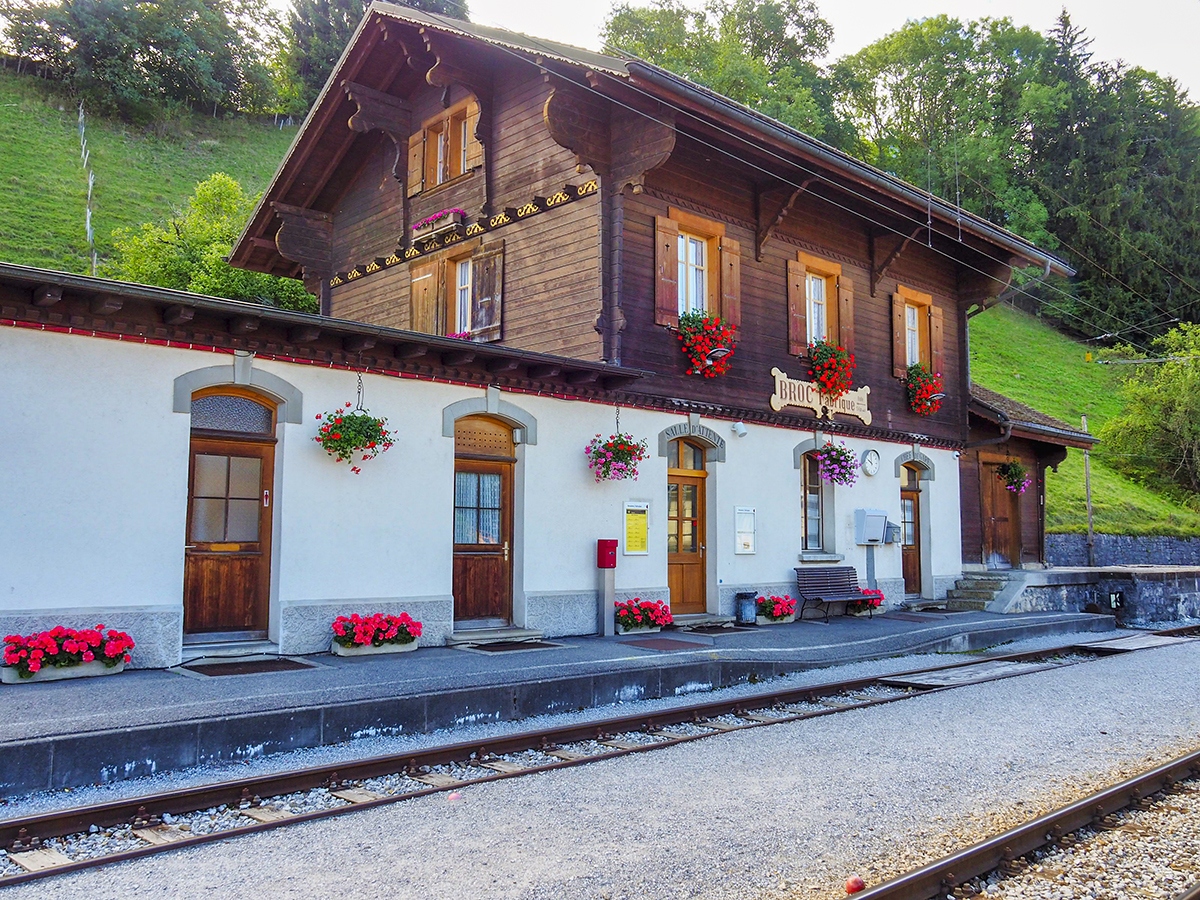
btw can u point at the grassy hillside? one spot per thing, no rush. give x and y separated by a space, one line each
1019 356
141 175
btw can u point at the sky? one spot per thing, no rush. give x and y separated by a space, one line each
1161 36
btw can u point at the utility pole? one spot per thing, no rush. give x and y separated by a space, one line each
1087 489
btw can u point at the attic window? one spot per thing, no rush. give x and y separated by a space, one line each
445 148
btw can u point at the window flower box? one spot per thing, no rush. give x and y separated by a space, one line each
444 220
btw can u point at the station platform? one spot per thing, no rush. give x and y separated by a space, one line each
141 722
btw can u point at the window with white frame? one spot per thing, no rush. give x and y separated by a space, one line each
811 501
818 310
693 273
462 295
912 334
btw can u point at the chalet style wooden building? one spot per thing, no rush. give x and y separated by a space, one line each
580 204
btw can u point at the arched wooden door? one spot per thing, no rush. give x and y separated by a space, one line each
227 557
686 550
910 528
484 456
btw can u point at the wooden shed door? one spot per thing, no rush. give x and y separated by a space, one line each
686 551
483 485
1001 522
227 560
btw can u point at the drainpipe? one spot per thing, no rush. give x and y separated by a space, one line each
1006 428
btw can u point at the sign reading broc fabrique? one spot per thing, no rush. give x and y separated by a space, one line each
805 394
451 236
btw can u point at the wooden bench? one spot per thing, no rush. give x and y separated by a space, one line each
818 586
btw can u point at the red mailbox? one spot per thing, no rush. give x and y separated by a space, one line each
606 554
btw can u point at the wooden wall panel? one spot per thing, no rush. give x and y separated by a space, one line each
368 219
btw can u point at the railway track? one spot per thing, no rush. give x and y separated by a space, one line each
101 834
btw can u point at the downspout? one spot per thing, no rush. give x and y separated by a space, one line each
1006 427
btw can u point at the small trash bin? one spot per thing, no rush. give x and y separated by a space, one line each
745 607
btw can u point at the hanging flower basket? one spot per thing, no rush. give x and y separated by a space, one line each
64 653
924 389
345 434
443 220
837 463
615 458
832 369
708 343
1014 475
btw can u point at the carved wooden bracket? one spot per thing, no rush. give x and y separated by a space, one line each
879 270
981 285
305 237
389 114
578 120
773 205
47 294
640 143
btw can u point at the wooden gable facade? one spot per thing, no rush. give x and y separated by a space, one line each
580 177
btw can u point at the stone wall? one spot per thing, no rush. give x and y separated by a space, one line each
1122 550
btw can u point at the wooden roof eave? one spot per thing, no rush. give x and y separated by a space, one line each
1033 431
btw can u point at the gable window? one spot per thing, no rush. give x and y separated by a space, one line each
459 292
698 269
820 304
445 148
916 331
811 500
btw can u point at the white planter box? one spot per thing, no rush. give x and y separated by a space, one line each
9 675
370 649
763 620
639 629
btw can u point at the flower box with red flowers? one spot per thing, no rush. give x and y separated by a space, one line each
64 653
345 434
356 635
442 220
924 389
708 343
832 368
775 610
871 600
617 458
641 615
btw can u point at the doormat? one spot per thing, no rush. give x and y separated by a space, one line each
718 629
504 646
249 667
666 644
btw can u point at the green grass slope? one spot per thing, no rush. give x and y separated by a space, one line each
1021 357
141 175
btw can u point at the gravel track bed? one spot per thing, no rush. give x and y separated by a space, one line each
364 748
1153 853
784 811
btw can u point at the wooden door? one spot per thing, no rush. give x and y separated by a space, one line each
227 558
910 540
686 550
483 540
1001 521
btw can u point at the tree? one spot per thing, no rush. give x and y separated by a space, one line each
188 252
758 52
321 29
1156 439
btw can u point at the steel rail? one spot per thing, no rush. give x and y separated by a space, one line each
31 832
943 876
1192 894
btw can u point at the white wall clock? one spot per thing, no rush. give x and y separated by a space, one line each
870 462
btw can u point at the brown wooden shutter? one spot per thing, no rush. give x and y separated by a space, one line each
474 147
416 163
935 339
666 263
797 308
899 348
731 282
487 288
424 295
845 302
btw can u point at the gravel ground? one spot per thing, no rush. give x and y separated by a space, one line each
786 811
364 748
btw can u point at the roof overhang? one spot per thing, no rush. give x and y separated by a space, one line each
1033 431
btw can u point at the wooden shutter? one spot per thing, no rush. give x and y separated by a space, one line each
424 295
666 262
731 281
899 347
487 287
797 312
474 147
845 312
416 164
935 340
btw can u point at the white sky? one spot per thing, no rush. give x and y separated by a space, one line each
1159 35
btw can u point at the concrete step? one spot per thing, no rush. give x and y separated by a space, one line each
980 584
977 605
492 636
965 594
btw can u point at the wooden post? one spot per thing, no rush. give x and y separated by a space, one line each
1087 489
